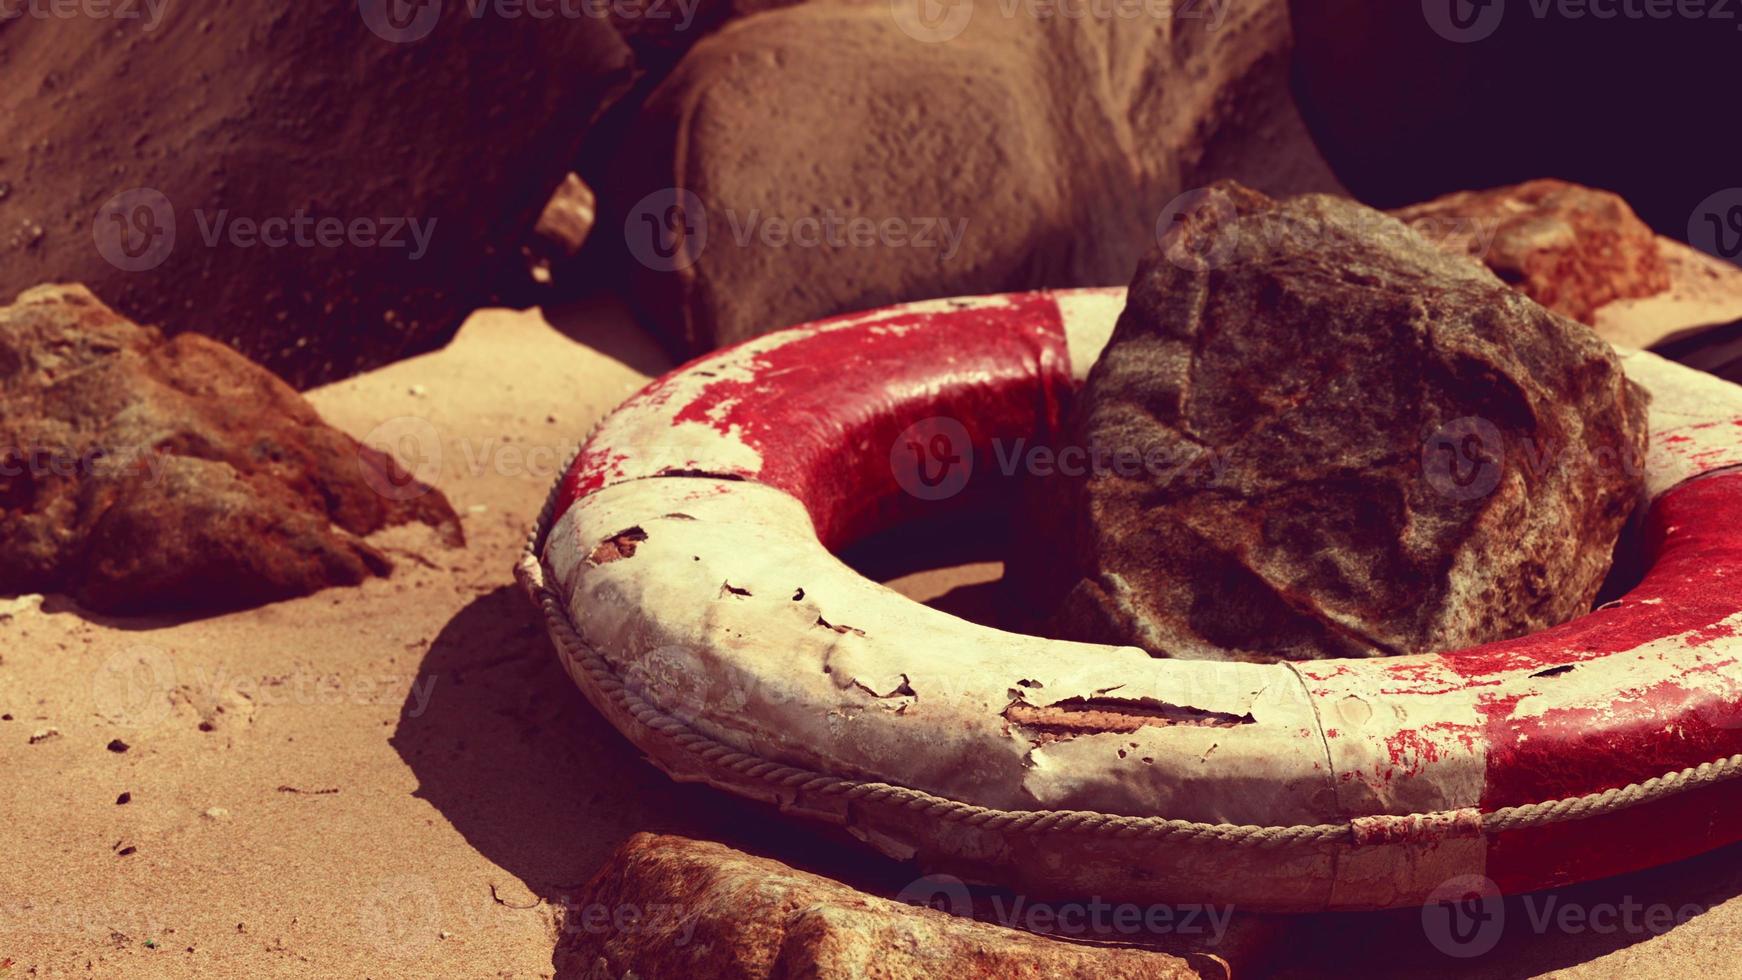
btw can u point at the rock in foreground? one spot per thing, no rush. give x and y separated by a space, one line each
1349 443
1572 249
143 474
700 909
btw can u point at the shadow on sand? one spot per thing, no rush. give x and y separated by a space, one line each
512 754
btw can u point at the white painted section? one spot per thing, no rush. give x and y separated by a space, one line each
1089 316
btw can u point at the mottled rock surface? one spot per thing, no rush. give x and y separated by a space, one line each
1355 444
670 907
829 157
426 136
1573 249
139 473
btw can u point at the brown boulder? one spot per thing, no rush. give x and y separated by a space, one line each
1322 436
829 157
1573 249
670 907
139 473
427 158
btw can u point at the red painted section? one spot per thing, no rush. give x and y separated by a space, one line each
1660 727
825 409
1645 836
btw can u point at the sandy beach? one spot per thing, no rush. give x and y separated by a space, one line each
398 780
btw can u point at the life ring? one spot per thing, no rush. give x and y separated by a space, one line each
683 564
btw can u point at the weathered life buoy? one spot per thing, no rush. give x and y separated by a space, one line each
683 564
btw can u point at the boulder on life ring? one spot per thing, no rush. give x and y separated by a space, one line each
684 568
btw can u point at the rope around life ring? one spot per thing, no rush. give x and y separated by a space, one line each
680 444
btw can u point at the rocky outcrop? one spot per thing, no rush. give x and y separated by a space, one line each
670 907
1326 437
1573 249
828 157
141 473
325 187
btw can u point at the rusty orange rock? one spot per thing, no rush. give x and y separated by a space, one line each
142 473
1573 249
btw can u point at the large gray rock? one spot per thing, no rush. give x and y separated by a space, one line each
833 156
1347 442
